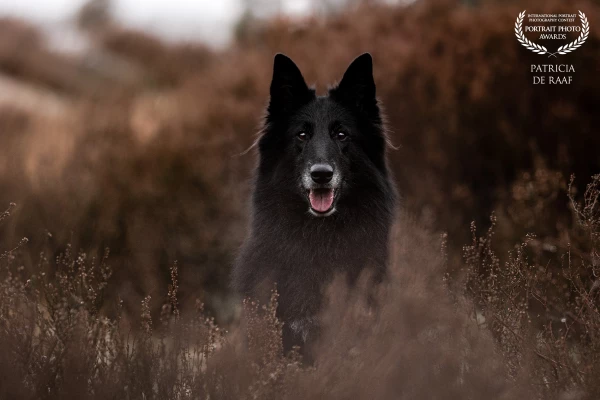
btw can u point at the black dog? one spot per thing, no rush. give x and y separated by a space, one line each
323 200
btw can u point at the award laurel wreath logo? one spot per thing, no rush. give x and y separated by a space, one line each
536 48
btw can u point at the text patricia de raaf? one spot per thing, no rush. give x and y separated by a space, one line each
543 74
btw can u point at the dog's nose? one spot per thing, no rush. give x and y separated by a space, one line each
321 173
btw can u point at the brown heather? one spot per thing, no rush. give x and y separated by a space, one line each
506 329
140 148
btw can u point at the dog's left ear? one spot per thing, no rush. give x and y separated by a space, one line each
357 87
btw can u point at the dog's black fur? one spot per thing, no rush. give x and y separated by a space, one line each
292 243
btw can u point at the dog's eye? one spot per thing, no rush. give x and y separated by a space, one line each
341 136
302 136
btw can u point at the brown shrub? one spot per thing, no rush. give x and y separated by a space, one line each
417 343
542 301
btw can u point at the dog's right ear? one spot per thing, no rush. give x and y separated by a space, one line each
288 88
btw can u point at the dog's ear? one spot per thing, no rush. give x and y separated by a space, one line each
357 88
288 88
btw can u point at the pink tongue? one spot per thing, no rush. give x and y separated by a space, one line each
321 199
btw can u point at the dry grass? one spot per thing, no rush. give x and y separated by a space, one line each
541 303
416 343
506 329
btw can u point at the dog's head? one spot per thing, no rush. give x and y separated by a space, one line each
328 146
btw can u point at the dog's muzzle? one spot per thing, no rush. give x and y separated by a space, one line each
321 182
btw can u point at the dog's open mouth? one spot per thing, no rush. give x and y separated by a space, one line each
321 200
